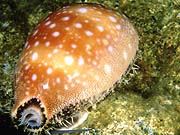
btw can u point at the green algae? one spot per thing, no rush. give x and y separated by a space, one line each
147 102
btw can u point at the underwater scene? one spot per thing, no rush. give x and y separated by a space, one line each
90 67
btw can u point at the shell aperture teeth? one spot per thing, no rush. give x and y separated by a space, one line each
31 117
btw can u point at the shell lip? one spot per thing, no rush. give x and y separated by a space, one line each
30 116
69 117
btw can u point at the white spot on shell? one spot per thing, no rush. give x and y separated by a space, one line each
70 11
34 77
27 67
45 85
67 28
58 80
82 10
107 69
86 21
88 33
45 37
66 18
78 25
49 55
34 56
47 23
66 87
96 19
99 12
80 61
39 65
98 40
55 50
84 83
100 28
76 74
125 55
36 43
74 46
49 70
27 93
52 25
88 46
118 26
47 43
110 48
56 34
68 60
60 46
112 18
94 62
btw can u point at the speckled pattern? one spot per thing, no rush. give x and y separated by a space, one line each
76 53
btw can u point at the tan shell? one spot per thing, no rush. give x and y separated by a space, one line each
76 53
